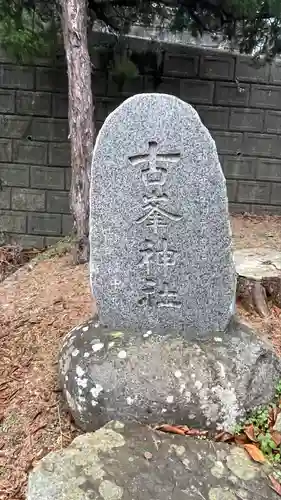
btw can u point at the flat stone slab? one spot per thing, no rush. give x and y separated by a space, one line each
130 462
107 374
258 263
160 238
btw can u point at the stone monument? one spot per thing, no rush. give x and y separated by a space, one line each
160 236
166 346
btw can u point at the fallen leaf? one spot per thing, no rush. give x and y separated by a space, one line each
147 455
116 335
273 413
196 432
255 453
241 439
250 432
173 429
224 437
276 436
276 486
183 427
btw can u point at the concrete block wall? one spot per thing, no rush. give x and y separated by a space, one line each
238 102
34 154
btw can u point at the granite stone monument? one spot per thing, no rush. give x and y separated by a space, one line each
160 237
165 346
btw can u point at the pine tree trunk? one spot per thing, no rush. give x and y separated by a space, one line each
80 117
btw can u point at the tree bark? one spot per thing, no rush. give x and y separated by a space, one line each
80 117
252 295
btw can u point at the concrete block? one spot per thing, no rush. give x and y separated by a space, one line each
7 101
99 84
237 167
168 85
47 177
272 122
44 224
28 199
231 186
275 73
238 208
214 117
227 142
275 198
101 109
13 174
17 77
231 94
268 170
49 129
59 154
131 86
67 177
265 96
51 79
247 71
253 192
58 202
27 240
15 126
12 222
5 198
217 66
262 145
67 224
181 64
30 152
265 210
197 91
112 104
268 210
5 150
250 120
60 105
33 103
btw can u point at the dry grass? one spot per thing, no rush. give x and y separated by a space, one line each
39 304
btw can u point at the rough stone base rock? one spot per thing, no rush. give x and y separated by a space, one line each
131 462
259 278
107 375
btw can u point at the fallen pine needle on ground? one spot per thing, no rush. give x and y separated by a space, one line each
37 308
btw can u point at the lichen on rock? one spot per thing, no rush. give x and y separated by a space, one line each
160 378
121 460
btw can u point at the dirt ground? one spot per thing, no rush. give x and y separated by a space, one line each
39 304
